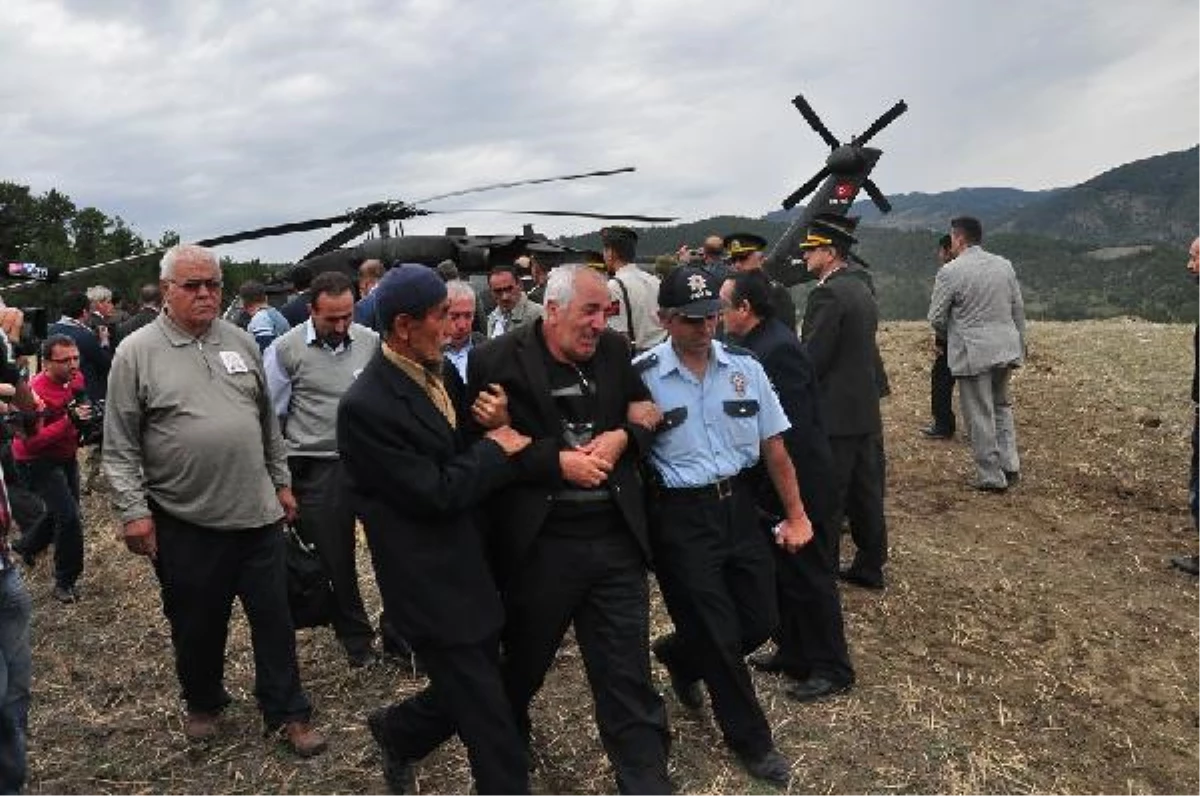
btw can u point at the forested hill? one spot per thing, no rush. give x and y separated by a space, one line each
1155 200
1061 280
1113 245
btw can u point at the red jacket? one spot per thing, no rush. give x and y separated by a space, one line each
56 438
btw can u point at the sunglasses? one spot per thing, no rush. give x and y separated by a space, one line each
194 285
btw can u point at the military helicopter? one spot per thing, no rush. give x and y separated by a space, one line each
474 254
846 171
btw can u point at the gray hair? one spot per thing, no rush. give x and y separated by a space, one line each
99 293
560 284
459 288
186 251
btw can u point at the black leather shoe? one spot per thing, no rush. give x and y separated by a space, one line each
772 767
934 431
397 769
770 662
998 489
859 578
814 688
1189 564
1013 477
688 692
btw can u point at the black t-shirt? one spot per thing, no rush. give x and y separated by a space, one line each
573 389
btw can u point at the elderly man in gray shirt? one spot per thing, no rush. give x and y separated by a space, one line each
200 480
977 308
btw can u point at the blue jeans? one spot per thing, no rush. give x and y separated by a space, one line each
15 669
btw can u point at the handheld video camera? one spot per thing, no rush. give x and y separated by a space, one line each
91 428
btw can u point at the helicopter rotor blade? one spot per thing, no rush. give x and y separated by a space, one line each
889 116
133 259
815 122
535 181
277 229
877 196
566 214
804 190
336 241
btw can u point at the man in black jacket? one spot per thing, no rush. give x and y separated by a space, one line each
838 331
415 483
150 304
570 539
95 354
811 637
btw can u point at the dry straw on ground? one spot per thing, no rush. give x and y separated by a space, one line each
1029 642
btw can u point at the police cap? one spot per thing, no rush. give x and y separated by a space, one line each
691 292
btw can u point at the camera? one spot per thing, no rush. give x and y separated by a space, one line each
91 428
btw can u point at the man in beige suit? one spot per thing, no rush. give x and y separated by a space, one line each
977 307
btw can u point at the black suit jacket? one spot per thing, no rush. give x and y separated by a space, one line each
839 335
143 317
515 361
791 373
415 483
94 361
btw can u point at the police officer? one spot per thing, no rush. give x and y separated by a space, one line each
714 565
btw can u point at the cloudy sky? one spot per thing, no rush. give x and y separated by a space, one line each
209 116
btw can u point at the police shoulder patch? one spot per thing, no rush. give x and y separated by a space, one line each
645 362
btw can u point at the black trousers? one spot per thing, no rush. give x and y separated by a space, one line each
590 571
57 484
200 571
858 464
811 637
465 696
327 521
941 392
716 574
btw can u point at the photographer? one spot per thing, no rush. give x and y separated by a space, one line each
46 462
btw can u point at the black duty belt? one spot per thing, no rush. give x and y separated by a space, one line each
721 489
581 496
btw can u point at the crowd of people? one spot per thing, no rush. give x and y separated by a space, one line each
521 460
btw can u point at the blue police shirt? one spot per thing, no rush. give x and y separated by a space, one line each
712 428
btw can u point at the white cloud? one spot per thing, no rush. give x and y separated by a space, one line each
211 116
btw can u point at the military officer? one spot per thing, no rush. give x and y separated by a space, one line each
714 566
747 253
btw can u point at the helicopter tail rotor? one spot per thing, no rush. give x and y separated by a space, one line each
815 122
889 116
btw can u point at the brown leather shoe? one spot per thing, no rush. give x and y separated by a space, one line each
303 739
199 726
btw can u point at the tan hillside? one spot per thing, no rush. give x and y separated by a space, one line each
1031 642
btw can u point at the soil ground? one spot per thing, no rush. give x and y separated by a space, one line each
1036 641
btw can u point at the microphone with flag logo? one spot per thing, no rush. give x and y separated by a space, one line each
32 271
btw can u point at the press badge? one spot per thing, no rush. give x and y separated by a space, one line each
233 362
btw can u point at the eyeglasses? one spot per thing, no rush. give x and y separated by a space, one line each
194 285
62 360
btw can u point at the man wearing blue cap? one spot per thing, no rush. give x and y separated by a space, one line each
416 482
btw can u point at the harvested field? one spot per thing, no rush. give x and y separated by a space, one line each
1035 641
